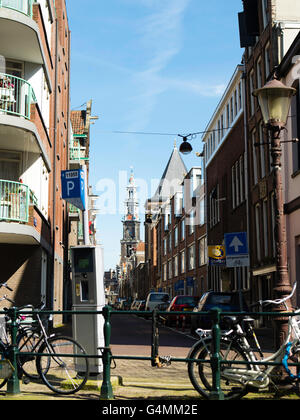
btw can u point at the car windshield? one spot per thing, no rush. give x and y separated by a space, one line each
158 298
190 300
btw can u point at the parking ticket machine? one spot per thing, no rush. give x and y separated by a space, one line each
88 295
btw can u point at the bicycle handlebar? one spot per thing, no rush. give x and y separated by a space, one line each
278 301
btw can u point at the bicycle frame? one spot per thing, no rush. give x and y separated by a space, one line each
256 376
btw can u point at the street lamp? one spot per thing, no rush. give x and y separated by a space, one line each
185 147
275 100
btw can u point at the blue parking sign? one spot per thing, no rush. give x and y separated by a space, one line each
73 187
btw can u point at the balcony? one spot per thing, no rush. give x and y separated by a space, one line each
16 96
22 6
14 201
22 35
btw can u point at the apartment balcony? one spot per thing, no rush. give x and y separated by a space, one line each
77 156
74 213
20 221
20 122
21 37
14 201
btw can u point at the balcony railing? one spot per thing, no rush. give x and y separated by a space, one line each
14 201
78 153
22 6
16 96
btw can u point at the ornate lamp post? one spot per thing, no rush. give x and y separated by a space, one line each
275 100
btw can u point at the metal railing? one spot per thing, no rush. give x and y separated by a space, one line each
106 391
22 6
16 96
14 201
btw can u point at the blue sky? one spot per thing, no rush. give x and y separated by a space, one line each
153 66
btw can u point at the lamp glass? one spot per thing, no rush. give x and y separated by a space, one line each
275 100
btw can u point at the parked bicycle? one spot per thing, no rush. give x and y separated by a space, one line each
237 378
54 358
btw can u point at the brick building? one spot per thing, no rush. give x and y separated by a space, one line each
267 28
226 181
34 133
175 232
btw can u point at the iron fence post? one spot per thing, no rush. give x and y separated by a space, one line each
106 388
216 393
155 338
13 386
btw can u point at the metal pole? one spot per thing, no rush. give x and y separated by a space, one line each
216 392
13 386
85 212
106 388
282 283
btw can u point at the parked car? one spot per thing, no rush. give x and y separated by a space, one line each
154 299
226 301
184 303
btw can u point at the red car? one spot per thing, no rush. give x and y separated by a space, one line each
184 303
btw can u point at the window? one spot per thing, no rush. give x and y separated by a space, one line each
202 251
192 221
265 12
165 246
164 272
251 89
176 266
258 74
267 61
254 157
176 236
202 212
214 206
170 271
182 229
170 242
257 227
238 182
240 96
182 261
191 257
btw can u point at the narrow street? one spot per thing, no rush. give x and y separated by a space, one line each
131 335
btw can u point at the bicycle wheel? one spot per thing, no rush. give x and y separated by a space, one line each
65 374
200 373
27 342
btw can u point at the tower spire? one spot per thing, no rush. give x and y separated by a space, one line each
131 203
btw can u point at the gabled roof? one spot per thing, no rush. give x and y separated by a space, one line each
171 179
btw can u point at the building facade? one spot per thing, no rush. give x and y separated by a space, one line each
268 28
175 232
226 182
34 132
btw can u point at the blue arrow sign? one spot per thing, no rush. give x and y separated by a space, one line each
236 243
73 191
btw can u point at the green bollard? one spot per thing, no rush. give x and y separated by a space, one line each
106 388
13 385
216 393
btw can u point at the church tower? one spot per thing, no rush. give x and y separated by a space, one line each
131 222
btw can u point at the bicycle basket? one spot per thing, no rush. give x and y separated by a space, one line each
6 369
